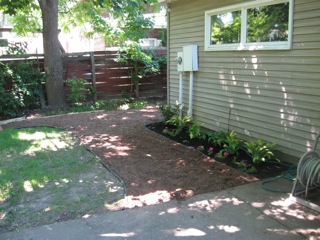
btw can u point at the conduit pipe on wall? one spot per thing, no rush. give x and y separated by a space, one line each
187 61
190 94
179 61
190 60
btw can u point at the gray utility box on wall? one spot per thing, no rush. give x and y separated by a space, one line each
190 58
187 60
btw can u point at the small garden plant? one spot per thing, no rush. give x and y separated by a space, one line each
231 145
78 90
179 123
168 111
221 144
195 131
260 151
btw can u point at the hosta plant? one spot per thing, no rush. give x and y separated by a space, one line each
260 151
232 143
179 123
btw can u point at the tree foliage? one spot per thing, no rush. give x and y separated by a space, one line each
224 32
20 85
264 24
115 20
140 62
11 7
268 23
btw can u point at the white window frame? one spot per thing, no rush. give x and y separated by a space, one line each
243 45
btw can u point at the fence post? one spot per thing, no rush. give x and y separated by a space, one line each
42 100
93 75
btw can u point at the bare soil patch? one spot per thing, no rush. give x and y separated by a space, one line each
154 168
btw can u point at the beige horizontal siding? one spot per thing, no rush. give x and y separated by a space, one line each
273 94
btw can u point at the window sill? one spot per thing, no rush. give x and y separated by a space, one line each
249 47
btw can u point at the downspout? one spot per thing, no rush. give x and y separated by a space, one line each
168 52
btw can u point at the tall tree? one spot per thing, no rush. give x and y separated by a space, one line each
130 25
52 55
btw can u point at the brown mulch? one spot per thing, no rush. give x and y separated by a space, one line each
153 168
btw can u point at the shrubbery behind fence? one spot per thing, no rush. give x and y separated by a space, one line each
112 79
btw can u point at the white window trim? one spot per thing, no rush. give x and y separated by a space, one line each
243 45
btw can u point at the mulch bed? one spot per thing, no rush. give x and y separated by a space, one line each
154 168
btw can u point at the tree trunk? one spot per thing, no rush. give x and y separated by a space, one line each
52 55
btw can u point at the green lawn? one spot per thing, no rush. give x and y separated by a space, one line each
46 176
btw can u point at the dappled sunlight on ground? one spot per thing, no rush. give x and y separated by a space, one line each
284 208
112 144
188 232
159 196
122 235
211 204
147 199
165 174
102 116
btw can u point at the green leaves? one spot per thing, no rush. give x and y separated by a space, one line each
260 151
217 138
78 89
195 132
168 111
179 123
11 7
115 20
19 87
140 62
232 143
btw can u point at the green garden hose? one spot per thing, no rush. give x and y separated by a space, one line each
290 175
307 172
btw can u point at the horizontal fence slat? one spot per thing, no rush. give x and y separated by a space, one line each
112 77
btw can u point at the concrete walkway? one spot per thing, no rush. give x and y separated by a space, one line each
246 212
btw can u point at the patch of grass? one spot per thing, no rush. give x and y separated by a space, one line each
46 176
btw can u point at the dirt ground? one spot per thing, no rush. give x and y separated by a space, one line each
154 169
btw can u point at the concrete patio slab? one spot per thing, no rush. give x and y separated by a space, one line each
245 212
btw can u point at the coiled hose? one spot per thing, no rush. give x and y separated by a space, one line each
308 171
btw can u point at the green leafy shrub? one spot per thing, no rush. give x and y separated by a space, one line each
162 34
260 151
78 90
217 138
232 143
243 166
179 123
138 104
168 111
20 85
140 62
100 104
195 131
162 61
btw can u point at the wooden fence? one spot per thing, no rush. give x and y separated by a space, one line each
112 79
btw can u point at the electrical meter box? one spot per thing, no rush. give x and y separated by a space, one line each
179 60
190 58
